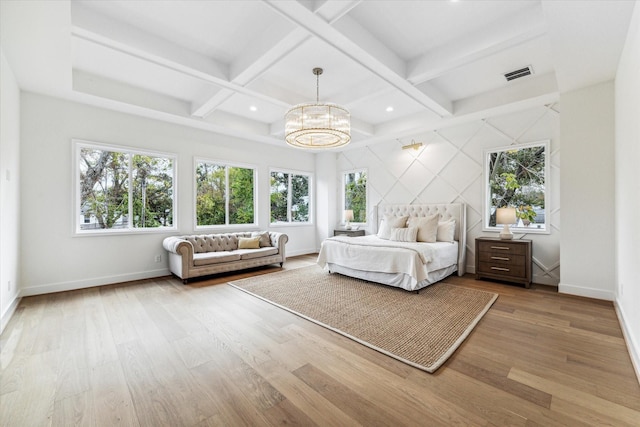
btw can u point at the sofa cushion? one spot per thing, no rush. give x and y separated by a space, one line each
265 240
256 253
249 242
209 258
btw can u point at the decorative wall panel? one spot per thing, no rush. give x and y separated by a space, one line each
449 168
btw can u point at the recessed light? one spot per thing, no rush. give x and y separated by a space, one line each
389 109
253 108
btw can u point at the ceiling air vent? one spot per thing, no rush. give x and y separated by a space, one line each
526 71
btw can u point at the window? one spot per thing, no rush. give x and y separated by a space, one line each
290 197
123 190
225 194
355 194
517 176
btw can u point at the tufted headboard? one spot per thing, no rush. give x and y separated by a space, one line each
446 211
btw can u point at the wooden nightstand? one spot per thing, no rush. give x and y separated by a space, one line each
508 260
350 233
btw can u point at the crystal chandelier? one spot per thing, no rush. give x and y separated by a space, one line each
317 125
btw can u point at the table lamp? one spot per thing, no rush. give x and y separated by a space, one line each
348 216
506 216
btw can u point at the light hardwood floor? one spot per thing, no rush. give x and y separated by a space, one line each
157 353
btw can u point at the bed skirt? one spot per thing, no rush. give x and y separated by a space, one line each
398 280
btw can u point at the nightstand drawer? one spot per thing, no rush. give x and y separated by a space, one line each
502 248
517 271
502 258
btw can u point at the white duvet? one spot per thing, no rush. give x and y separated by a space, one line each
370 253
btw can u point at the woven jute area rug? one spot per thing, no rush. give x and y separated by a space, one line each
422 329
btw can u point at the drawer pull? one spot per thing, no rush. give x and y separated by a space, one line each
500 268
501 258
502 248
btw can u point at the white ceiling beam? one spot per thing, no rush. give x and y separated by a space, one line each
437 63
349 38
204 107
98 28
519 29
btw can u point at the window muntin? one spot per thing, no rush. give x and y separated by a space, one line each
225 194
518 176
290 196
123 190
355 194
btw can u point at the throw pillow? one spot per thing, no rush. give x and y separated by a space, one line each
389 222
446 231
427 227
249 242
265 240
404 234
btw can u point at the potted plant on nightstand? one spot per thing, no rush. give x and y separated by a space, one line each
526 214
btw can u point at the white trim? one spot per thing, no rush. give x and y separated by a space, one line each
226 164
9 312
581 291
486 201
632 346
76 147
311 195
343 196
89 283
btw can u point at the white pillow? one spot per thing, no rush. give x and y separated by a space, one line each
404 234
389 222
446 231
427 227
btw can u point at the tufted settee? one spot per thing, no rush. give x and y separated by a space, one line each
201 255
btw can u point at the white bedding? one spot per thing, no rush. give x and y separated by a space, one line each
371 254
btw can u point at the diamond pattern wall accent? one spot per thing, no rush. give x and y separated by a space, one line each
449 168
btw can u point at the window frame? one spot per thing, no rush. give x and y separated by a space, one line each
290 223
77 146
226 164
344 197
486 203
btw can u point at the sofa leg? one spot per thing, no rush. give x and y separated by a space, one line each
184 281
281 264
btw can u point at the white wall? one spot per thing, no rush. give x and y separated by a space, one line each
53 259
587 189
627 178
9 191
449 168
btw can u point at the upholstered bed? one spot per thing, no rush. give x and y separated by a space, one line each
389 257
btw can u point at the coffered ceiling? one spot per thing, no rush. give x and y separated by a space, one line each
235 67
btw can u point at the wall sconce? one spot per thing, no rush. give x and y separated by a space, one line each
415 145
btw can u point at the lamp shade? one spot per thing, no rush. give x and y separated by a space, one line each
506 216
348 215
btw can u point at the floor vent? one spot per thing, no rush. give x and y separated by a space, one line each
526 71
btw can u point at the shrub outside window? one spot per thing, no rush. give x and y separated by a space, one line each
225 194
123 190
355 194
290 196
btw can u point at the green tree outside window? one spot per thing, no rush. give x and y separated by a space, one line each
355 195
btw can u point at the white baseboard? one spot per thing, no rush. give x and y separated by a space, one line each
632 346
8 313
89 283
581 291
